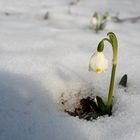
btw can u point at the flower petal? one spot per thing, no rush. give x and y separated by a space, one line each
98 62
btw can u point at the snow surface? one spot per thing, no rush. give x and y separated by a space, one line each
41 59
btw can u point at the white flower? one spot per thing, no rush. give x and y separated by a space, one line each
94 21
98 62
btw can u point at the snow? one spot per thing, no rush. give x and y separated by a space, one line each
41 59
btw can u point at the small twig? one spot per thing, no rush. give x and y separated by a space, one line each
76 2
46 16
131 19
7 13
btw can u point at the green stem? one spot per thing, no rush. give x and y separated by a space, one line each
114 43
97 28
111 88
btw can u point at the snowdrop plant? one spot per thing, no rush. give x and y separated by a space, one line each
99 64
95 21
77 2
98 21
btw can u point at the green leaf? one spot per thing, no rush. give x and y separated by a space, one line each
101 104
102 26
105 16
96 15
123 81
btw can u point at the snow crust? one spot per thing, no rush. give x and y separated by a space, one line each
41 59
